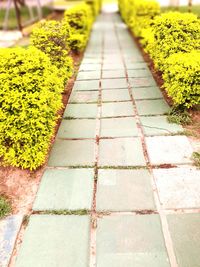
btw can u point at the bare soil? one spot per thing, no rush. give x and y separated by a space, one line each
20 186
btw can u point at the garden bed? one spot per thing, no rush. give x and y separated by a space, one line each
191 129
20 186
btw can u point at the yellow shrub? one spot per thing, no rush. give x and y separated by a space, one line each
52 38
173 32
30 98
80 19
182 78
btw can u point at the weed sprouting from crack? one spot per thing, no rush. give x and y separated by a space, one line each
179 115
123 167
196 159
80 212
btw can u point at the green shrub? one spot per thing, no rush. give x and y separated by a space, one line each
5 207
30 98
142 15
182 78
51 37
173 32
80 19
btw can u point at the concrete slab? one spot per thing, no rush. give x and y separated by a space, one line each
185 233
55 240
80 111
177 187
142 82
90 60
86 85
115 95
77 129
65 189
112 66
84 97
133 58
9 228
136 66
124 190
113 74
152 107
125 152
159 125
139 73
72 153
146 93
88 75
119 127
169 150
117 109
114 83
131 240
88 67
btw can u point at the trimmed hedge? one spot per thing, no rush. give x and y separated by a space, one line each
52 38
30 98
173 32
173 42
138 14
80 19
142 16
182 78
31 82
95 6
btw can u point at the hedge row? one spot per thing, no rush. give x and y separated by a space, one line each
31 83
173 41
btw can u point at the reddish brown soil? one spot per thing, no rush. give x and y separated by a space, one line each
20 186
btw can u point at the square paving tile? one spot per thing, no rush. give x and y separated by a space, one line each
117 109
72 153
133 59
115 95
139 73
119 127
152 107
169 150
77 129
88 75
121 152
55 240
185 233
124 190
9 229
113 74
91 60
159 125
146 93
66 189
86 85
113 66
114 83
177 187
136 66
80 111
142 82
84 97
88 67
112 61
131 240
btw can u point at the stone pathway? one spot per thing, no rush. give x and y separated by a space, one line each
117 157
